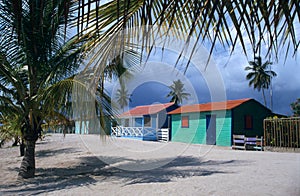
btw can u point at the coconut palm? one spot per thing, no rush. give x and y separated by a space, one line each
177 92
122 96
111 26
259 77
37 63
228 23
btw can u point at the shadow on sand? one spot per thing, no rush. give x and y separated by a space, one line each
49 153
91 170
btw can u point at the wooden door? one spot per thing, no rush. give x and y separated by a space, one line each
211 129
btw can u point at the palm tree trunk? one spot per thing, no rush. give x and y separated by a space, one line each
265 101
103 129
22 148
27 169
102 121
271 95
16 141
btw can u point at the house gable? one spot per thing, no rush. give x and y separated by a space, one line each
250 110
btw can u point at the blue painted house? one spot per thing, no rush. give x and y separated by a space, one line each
143 122
214 123
92 125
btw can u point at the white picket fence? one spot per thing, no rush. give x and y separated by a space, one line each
163 135
160 134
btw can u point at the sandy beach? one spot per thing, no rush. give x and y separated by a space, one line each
89 165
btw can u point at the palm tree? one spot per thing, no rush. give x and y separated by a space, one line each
259 76
228 23
114 69
37 63
122 96
177 92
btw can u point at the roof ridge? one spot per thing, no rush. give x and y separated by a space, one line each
244 99
211 106
147 109
154 104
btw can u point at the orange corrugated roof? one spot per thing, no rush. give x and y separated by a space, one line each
212 106
147 109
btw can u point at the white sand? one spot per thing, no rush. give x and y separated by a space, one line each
88 165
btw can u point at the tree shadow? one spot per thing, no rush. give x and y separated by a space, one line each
51 152
180 167
53 178
92 169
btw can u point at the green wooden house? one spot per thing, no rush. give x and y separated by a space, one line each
214 123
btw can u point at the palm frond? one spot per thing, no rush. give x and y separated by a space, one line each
267 23
35 54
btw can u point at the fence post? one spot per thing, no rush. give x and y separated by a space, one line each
283 132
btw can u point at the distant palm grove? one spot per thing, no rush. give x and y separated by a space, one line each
43 43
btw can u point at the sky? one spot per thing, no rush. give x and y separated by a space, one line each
150 83
225 81
286 85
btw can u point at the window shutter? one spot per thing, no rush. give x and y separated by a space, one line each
185 121
248 122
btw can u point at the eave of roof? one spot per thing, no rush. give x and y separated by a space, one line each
211 106
146 110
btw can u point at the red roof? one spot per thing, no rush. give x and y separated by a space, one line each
212 106
147 109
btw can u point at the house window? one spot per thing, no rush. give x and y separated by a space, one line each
126 123
147 121
248 122
185 121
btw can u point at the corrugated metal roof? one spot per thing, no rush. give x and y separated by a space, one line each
212 106
146 109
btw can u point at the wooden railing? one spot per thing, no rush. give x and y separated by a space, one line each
120 131
163 135
116 131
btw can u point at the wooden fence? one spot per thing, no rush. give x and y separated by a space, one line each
121 131
282 132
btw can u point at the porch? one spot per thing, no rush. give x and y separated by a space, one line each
141 133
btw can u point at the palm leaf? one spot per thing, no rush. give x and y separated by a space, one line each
269 21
